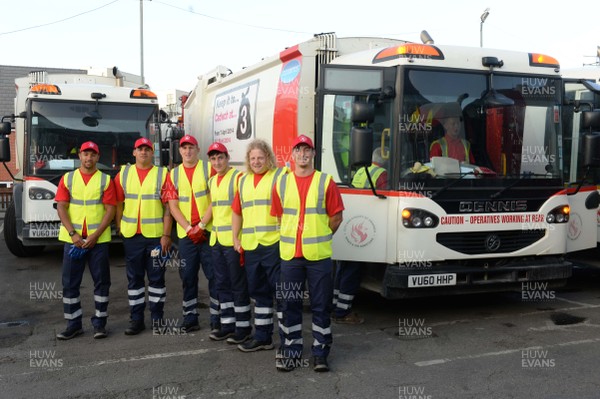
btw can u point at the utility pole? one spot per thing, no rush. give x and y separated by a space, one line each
142 41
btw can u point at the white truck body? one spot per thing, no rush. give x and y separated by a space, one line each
493 224
579 100
54 114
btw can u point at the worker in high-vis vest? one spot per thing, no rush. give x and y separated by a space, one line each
144 221
377 171
348 274
256 235
452 145
189 203
310 208
230 276
86 206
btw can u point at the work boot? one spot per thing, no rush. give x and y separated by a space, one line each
100 332
188 326
254 345
320 364
70 332
221 335
350 318
239 338
135 327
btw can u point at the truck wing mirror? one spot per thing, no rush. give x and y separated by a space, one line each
591 150
363 112
591 120
361 146
5 128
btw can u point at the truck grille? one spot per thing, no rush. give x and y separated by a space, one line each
490 241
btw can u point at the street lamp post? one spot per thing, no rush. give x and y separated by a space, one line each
483 18
142 40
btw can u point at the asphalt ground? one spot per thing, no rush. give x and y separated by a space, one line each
502 345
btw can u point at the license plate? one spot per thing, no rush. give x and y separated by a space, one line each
431 280
46 230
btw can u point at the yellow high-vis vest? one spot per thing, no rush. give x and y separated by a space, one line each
444 146
142 201
316 236
86 204
360 178
198 189
222 198
258 227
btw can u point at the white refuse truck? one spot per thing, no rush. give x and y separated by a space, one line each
581 119
493 221
54 114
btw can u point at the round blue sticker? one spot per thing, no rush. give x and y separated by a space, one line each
290 71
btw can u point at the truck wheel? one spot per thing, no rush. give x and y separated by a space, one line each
15 246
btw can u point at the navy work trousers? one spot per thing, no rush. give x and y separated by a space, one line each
232 290
72 274
263 266
346 285
191 256
139 264
318 275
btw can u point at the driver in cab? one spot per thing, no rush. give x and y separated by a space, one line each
452 145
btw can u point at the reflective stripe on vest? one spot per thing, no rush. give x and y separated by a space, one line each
444 146
86 204
199 188
142 201
360 179
315 233
258 227
222 198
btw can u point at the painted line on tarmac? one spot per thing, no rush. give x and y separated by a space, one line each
155 356
583 305
434 362
147 357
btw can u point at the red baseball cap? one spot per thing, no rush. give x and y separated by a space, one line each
219 147
89 145
302 139
143 141
188 139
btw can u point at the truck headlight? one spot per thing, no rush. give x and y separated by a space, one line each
37 193
418 218
560 214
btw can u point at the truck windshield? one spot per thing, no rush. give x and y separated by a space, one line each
56 130
453 124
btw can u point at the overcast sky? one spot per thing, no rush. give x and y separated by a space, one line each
186 38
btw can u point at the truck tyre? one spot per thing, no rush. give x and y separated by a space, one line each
15 246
